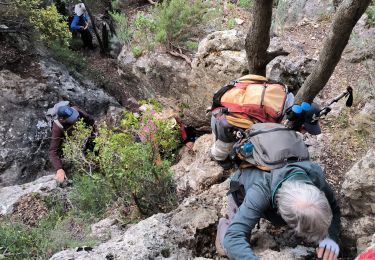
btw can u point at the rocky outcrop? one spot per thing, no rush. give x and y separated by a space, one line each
195 172
291 12
291 71
221 57
11 194
154 74
358 200
24 130
177 235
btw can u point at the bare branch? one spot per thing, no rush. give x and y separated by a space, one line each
181 55
273 54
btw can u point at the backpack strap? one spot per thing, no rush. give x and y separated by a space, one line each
269 131
217 96
57 122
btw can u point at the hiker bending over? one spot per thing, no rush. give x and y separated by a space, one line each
80 24
66 118
240 104
296 195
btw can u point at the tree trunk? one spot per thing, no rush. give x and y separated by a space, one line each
102 50
258 38
347 15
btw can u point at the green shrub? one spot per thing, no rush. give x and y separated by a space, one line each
18 241
51 25
231 23
58 231
137 52
192 46
73 60
143 36
245 3
126 162
91 195
177 20
122 27
371 13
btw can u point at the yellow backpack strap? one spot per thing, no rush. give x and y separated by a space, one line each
245 165
252 78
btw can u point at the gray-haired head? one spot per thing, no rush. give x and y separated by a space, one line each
305 208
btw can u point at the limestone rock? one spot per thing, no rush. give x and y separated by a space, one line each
196 171
172 235
24 130
291 71
11 194
154 74
358 188
291 12
369 108
220 58
352 229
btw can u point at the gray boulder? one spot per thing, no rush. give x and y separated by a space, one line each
221 57
358 188
154 74
176 235
291 12
11 194
195 172
24 130
292 71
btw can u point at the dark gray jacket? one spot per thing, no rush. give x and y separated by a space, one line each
261 188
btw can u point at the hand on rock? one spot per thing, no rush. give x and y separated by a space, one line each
60 176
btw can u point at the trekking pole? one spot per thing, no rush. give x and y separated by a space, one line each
349 102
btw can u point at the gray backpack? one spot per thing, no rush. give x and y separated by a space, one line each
273 146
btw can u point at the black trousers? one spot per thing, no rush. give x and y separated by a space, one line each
87 38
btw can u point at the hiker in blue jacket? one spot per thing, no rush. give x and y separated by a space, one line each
80 24
296 195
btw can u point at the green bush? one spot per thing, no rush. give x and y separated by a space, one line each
192 46
143 36
137 52
126 162
61 229
371 13
31 17
177 20
91 195
245 3
18 241
231 23
73 60
51 25
122 27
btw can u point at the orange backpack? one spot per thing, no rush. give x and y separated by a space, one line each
251 99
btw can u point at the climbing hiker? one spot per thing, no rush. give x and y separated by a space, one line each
240 104
296 195
67 116
80 23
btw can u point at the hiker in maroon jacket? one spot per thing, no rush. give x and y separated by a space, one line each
67 116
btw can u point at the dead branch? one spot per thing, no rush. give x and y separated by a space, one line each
181 55
273 54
